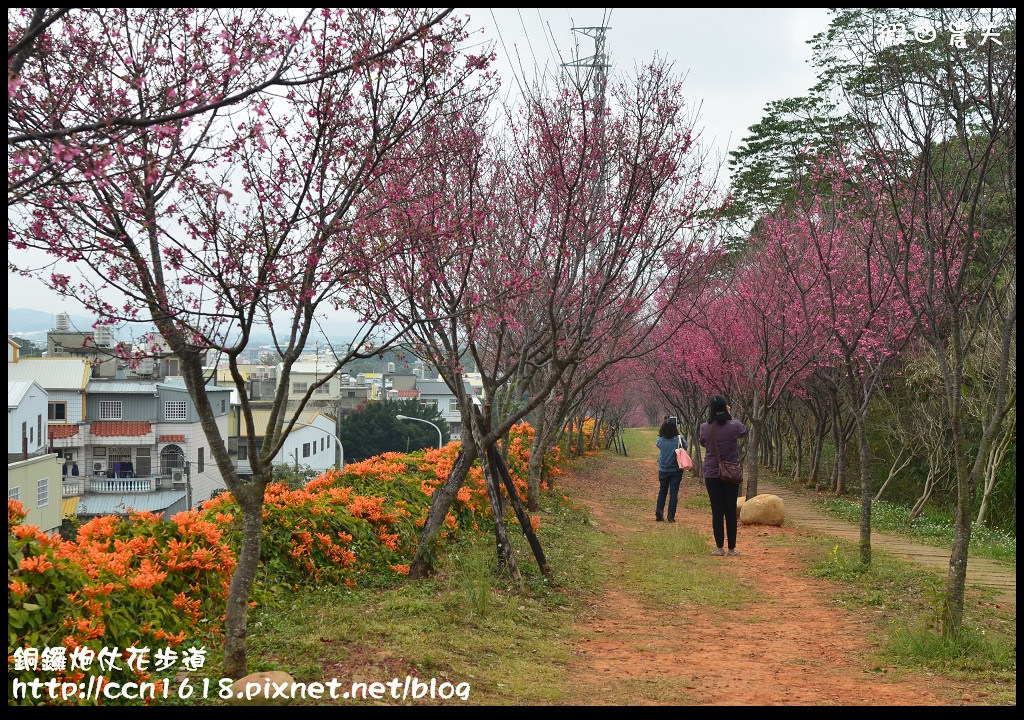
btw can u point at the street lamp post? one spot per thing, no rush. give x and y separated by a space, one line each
440 441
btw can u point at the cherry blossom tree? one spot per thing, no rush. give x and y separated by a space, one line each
939 124
208 224
591 219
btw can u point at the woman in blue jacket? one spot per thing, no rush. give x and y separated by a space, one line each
669 474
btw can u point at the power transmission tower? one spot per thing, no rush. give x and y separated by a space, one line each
598 66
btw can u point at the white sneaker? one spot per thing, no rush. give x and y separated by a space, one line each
718 551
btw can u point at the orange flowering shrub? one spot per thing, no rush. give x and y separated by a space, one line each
592 443
150 582
138 581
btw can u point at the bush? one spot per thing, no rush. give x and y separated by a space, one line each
122 582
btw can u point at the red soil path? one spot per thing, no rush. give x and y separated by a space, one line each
792 646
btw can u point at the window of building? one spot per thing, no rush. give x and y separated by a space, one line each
57 411
14 493
172 459
200 459
453 405
243 450
298 387
321 444
324 389
118 458
223 406
328 442
305 450
24 432
143 462
351 393
39 428
314 447
99 452
175 410
110 409
43 492
31 436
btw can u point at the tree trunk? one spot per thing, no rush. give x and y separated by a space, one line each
423 562
753 448
506 554
865 490
501 470
250 499
536 465
895 470
819 446
799 455
992 463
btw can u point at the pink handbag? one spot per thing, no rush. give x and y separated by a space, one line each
682 457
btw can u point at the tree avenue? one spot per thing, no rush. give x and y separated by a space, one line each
211 171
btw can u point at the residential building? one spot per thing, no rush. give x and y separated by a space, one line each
13 351
436 393
312 442
35 483
98 345
149 432
26 420
342 393
64 380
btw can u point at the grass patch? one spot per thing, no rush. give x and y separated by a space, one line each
970 651
697 502
931 527
905 601
672 568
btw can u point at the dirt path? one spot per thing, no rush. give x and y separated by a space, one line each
980 571
791 646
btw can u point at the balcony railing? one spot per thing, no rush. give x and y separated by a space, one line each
122 485
72 488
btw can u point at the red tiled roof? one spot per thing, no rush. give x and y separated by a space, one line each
120 429
59 432
408 393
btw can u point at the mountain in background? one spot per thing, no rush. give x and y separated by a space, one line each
33 325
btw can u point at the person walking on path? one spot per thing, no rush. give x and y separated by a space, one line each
669 473
721 434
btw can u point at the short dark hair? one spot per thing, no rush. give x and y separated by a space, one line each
718 410
668 429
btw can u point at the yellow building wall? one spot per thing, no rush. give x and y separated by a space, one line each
25 476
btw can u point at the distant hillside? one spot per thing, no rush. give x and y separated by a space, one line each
33 324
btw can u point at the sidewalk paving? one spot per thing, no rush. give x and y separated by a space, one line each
980 571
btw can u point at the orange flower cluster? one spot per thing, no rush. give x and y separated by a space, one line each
94 590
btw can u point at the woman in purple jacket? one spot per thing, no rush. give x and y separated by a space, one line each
722 494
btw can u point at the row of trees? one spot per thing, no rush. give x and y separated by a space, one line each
876 276
211 170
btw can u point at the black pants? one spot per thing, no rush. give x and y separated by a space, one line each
723 507
669 481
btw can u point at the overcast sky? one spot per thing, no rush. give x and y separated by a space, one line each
736 61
